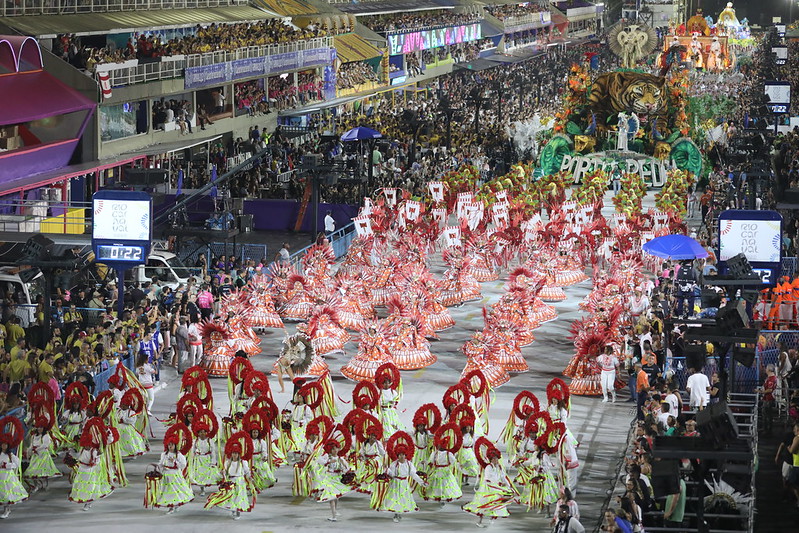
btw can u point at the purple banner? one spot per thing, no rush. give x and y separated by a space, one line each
239 69
206 75
247 68
282 62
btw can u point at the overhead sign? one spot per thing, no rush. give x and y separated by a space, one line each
779 94
757 235
405 43
121 220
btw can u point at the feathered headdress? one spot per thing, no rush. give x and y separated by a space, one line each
188 403
321 426
256 384
365 395
387 371
352 418
103 405
268 406
484 450
94 434
313 393
119 379
462 412
205 420
367 425
428 414
44 421
192 376
400 442
342 437
11 431
321 311
76 392
448 437
239 442
475 382
40 394
456 395
525 404
180 435
557 389
133 400
255 420
239 368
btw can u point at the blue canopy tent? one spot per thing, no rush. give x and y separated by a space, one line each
677 247
360 133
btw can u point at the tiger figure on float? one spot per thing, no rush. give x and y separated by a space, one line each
629 92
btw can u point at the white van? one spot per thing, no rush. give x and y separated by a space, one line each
25 294
166 266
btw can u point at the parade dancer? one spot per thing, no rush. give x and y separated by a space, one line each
256 425
93 477
387 378
11 489
369 432
328 486
174 489
538 487
609 363
495 492
393 492
76 398
426 421
203 463
233 492
40 455
131 441
443 466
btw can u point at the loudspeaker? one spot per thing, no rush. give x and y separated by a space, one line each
145 176
695 355
791 196
38 247
744 354
739 267
710 298
732 317
27 275
717 424
665 477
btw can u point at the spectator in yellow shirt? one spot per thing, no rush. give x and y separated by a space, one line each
13 331
18 346
46 368
18 369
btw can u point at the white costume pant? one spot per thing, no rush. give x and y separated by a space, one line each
608 380
195 354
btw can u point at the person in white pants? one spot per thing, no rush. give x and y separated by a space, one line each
608 362
195 345
146 374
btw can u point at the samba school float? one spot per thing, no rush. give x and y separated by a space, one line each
627 121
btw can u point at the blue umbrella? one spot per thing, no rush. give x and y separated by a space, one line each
675 247
360 133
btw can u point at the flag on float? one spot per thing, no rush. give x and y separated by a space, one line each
412 210
440 215
452 235
474 214
391 196
500 215
464 199
105 84
363 225
180 182
436 190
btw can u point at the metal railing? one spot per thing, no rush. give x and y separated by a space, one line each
68 7
526 21
164 70
45 216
